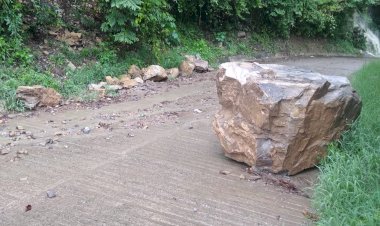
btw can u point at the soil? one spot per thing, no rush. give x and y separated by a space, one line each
146 157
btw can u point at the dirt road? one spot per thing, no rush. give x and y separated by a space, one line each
151 159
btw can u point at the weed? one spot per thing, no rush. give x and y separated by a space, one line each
348 192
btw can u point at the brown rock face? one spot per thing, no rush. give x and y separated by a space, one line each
34 96
279 118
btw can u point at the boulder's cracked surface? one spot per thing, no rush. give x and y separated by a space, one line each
280 118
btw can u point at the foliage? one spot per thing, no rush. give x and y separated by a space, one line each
348 192
132 20
12 52
10 18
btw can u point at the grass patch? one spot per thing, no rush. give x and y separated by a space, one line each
348 192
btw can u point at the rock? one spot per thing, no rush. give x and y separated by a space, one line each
139 80
20 128
279 118
4 151
34 96
197 111
112 81
193 61
201 66
71 38
241 34
71 66
22 152
154 73
224 172
51 194
172 73
186 68
128 83
86 130
135 72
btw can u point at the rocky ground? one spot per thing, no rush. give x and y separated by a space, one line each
147 157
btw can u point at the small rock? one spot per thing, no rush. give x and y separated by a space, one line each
241 34
22 152
197 111
86 130
51 194
71 66
4 151
23 179
112 81
255 178
173 73
224 172
195 210
186 68
135 72
154 73
12 134
131 135
49 141
139 80
59 133
45 52
242 177
201 66
128 83
19 127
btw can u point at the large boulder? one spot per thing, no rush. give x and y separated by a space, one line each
34 96
154 73
279 118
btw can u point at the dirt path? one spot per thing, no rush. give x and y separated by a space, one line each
154 161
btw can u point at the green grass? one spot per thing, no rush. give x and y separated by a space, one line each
348 192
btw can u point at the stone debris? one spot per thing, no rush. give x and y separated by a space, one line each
279 118
154 73
186 68
51 194
224 172
172 73
200 65
71 66
135 72
242 34
34 96
86 130
72 39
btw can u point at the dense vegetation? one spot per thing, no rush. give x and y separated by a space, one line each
157 23
349 189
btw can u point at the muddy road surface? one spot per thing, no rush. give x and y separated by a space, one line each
149 159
